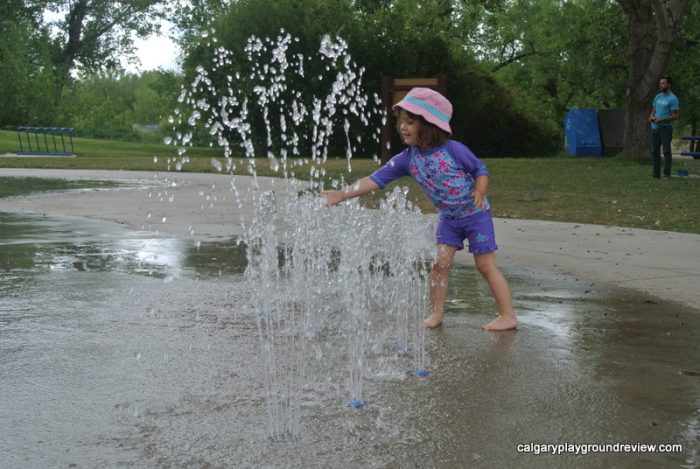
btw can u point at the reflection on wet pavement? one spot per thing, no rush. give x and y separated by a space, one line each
124 348
40 244
14 186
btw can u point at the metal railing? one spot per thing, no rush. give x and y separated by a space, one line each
40 140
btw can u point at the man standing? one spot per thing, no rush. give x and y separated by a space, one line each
664 111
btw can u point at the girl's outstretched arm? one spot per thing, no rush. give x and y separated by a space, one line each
361 187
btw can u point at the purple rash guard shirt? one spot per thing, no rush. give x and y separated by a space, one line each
446 174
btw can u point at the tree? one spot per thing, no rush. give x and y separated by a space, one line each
414 38
400 38
557 55
192 17
109 104
26 71
94 33
653 27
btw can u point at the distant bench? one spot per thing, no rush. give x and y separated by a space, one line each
693 146
42 146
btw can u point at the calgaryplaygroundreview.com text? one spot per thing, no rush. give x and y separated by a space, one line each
586 448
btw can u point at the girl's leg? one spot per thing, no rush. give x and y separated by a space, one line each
486 265
438 284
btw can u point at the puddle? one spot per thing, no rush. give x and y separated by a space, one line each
125 348
40 244
14 186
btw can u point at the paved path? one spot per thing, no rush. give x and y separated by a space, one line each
662 263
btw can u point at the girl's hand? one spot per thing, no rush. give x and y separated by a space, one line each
361 187
332 197
478 199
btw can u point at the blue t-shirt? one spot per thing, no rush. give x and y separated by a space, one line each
446 174
664 105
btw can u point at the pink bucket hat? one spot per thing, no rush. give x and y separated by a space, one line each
430 105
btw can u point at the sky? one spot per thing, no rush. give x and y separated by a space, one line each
156 52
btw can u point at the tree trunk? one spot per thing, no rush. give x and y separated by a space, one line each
648 58
637 136
639 93
76 19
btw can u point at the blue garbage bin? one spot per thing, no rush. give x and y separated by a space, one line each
582 133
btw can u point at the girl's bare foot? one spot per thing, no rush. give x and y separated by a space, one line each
501 323
432 321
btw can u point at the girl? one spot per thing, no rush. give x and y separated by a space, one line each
456 182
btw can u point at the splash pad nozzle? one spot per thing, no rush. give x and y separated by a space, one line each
356 403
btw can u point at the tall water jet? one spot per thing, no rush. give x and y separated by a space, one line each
262 110
312 270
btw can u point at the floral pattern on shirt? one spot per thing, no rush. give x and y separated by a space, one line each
445 182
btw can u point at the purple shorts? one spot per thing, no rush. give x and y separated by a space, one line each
477 228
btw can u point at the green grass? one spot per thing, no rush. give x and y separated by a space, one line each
110 152
606 191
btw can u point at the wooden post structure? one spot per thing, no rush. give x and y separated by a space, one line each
393 91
